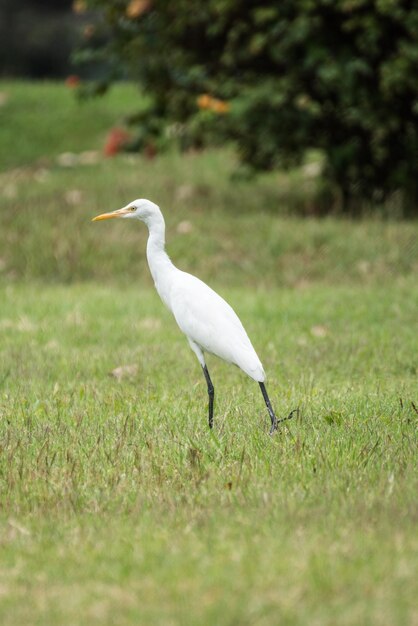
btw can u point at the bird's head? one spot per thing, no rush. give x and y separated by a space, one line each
140 209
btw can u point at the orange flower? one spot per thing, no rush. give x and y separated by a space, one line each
205 101
79 6
220 107
137 7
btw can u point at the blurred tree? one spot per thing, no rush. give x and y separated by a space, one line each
278 78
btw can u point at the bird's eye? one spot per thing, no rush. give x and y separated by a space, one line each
132 208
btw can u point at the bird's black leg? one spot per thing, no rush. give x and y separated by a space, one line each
211 394
274 420
269 408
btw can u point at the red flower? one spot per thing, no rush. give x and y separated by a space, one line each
72 81
116 139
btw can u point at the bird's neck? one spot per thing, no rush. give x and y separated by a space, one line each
161 267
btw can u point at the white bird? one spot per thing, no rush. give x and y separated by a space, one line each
209 323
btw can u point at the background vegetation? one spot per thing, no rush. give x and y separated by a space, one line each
277 79
116 503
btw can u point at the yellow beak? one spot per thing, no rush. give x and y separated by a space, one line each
109 216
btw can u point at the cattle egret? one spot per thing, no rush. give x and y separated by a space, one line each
208 322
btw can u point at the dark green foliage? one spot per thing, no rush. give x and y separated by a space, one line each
336 75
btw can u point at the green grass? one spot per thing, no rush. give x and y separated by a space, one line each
117 505
236 231
39 121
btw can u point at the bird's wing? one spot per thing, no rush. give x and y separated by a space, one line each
212 323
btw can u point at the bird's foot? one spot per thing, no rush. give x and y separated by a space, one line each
276 422
289 417
273 427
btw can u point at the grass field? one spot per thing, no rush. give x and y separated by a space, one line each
117 505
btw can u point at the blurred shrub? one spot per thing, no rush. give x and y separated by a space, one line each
278 78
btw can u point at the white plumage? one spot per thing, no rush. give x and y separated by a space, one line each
209 323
